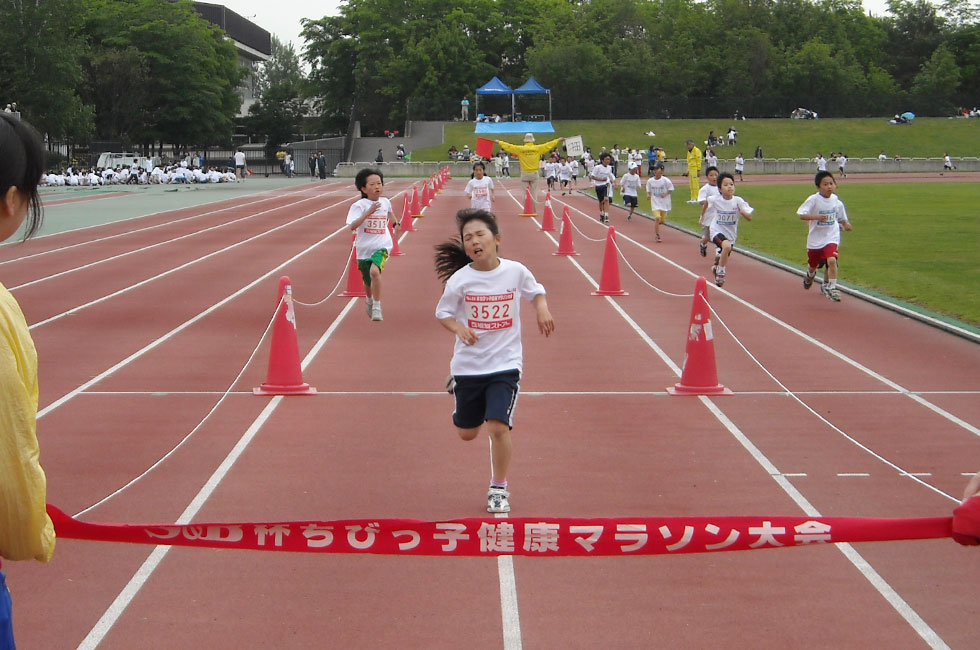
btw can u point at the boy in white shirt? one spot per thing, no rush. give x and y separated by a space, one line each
565 175
659 188
368 217
825 215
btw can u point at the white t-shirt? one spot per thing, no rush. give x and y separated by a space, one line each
565 171
372 234
821 163
739 163
629 185
479 192
707 191
841 161
239 159
551 169
605 175
711 160
827 230
488 302
727 212
659 190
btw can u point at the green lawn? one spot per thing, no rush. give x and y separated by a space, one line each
917 243
780 138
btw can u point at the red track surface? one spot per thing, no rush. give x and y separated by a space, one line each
125 378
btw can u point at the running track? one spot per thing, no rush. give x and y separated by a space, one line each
142 325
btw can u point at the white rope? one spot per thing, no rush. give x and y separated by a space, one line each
820 417
643 280
582 233
195 429
329 293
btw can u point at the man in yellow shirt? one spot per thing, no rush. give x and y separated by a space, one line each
529 154
693 169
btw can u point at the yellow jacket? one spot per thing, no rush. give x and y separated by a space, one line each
529 154
694 160
26 530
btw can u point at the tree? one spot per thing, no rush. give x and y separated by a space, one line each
39 70
189 90
936 86
276 115
282 67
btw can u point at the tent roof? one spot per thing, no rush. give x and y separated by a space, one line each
494 87
531 87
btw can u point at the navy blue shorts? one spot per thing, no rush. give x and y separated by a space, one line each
486 397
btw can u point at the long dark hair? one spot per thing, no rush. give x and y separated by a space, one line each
450 255
21 166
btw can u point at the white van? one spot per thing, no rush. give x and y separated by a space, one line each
109 159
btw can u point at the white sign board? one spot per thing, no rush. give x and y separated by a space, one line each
574 147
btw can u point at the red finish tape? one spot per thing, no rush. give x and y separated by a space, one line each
527 536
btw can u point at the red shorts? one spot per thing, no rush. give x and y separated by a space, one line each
817 255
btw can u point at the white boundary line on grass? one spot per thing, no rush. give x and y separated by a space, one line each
894 599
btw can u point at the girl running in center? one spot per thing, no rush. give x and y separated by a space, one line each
481 306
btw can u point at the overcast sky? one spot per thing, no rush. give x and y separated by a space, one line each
282 17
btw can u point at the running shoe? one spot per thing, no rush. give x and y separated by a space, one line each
807 281
833 294
704 249
629 217
825 290
659 239
720 276
498 500
451 385
376 312
368 303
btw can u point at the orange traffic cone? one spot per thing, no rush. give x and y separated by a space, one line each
395 251
285 376
699 376
425 195
528 204
355 282
609 282
565 246
416 208
406 222
548 220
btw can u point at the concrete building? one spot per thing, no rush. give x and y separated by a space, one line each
253 44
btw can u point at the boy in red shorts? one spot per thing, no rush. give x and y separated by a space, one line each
825 215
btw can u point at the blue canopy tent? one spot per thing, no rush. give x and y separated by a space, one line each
532 87
495 87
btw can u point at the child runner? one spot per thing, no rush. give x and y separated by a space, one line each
825 215
573 163
629 185
565 175
841 163
602 179
659 188
739 166
481 306
368 217
727 209
947 163
707 190
26 532
551 171
479 189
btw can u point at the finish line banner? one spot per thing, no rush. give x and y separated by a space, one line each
527 536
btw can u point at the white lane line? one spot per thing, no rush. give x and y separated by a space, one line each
151 246
181 267
142 575
160 340
137 230
910 615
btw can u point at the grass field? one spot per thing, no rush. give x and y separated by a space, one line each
917 243
779 138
